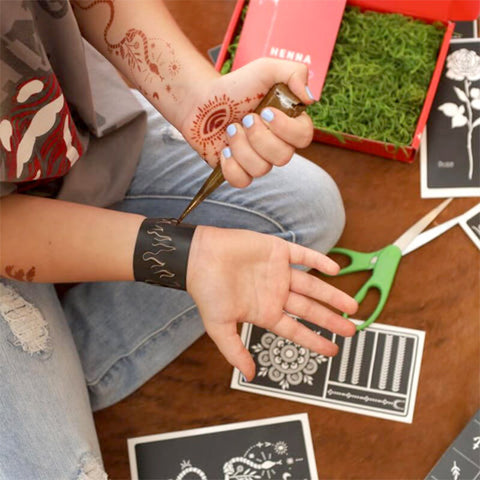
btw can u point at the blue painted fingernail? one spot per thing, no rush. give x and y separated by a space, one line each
309 93
247 120
231 130
227 153
267 115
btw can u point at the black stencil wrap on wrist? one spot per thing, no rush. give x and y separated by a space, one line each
161 252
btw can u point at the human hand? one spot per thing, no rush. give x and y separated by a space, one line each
218 122
241 276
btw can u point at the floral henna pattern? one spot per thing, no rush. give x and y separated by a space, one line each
213 118
140 51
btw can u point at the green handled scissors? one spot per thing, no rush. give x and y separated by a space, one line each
384 262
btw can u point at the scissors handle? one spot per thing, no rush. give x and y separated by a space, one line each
359 261
384 264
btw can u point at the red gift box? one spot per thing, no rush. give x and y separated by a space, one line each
444 11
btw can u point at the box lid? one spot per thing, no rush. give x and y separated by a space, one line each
267 32
443 10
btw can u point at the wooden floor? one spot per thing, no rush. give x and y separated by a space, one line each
436 290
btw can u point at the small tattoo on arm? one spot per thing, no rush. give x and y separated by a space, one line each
19 274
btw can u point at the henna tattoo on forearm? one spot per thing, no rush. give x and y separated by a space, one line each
208 130
161 252
19 274
143 54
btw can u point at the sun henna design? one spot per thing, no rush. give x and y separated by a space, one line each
136 48
20 274
212 119
173 68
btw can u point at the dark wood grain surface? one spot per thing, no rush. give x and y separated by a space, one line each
436 290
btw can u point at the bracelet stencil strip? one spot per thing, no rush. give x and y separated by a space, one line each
161 252
375 372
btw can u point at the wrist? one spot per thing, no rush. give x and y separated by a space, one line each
197 93
161 252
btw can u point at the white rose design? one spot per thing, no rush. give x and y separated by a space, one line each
463 64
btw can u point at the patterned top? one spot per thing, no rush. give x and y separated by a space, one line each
66 117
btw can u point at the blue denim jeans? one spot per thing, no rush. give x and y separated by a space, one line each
58 361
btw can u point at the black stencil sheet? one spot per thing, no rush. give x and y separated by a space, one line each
471 226
445 162
375 372
268 449
461 461
474 225
466 29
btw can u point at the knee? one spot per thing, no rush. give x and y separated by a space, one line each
318 208
27 327
330 213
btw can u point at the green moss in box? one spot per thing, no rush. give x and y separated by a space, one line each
378 76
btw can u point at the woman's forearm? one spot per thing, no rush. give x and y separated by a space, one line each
143 41
45 240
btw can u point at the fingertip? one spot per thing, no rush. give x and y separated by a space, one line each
232 171
248 371
226 153
298 84
331 267
327 349
333 350
351 306
351 329
309 94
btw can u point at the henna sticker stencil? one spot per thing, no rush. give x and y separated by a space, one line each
161 252
19 274
164 244
212 119
144 55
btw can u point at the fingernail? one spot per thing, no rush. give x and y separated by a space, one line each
267 115
247 120
231 130
309 93
227 153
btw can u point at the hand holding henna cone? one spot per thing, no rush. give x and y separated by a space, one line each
279 96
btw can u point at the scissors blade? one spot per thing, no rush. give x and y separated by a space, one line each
404 240
431 234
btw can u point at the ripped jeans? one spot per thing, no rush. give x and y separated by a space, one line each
60 361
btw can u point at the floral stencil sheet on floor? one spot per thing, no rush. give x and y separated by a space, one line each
375 372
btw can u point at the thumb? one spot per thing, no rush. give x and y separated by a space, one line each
232 348
293 74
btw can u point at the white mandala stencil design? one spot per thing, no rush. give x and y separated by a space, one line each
285 362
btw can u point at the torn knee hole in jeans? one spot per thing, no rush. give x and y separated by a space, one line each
91 468
27 324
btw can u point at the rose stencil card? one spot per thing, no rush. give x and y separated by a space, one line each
450 150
